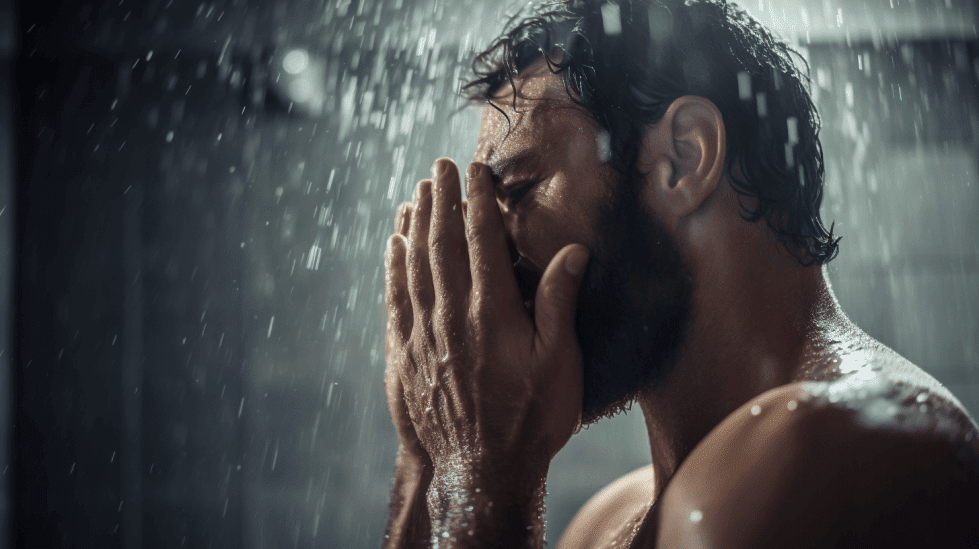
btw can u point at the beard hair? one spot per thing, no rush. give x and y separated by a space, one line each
634 304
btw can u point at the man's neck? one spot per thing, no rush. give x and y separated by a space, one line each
750 332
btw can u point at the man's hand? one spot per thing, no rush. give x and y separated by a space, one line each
410 451
409 526
492 393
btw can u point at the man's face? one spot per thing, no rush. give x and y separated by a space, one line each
554 190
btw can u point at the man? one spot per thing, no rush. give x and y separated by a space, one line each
643 225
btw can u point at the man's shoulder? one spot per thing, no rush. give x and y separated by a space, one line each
610 511
863 459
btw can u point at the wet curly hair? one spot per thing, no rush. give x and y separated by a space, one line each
626 61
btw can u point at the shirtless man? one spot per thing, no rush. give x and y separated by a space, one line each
643 225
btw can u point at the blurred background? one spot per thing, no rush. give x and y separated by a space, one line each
194 201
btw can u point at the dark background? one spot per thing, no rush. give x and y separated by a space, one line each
191 246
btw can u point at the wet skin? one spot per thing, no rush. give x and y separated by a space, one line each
776 423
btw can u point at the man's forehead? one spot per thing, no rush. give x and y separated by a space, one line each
542 105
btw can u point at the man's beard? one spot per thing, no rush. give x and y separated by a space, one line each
634 305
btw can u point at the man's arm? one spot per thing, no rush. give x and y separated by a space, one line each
801 474
487 507
409 524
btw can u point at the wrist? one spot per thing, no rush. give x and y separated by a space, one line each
487 505
413 464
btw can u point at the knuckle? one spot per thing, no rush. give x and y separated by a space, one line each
482 310
443 241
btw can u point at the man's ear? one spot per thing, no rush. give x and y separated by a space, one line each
683 156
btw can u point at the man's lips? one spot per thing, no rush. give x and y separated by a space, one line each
528 277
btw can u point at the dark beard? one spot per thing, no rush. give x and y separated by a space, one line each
634 305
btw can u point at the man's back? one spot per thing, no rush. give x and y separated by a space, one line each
868 452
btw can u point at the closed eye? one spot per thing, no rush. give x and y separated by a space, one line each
515 192
518 191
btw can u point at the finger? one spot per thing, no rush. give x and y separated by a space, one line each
492 271
402 219
420 287
448 248
557 299
396 296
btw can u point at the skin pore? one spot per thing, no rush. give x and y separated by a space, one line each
755 387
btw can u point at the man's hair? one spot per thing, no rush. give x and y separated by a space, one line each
625 62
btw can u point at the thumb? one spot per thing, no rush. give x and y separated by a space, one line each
557 297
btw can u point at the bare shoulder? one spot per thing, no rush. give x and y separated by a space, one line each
870 458
607 512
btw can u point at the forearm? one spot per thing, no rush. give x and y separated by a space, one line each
472 509
409 524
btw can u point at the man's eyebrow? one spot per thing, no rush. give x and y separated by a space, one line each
522 161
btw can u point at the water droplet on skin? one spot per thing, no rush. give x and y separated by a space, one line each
922 397
792 405
755 410
923 408
696 516
445 534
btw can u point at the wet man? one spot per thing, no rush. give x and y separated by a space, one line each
643 226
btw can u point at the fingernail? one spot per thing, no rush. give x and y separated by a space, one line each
575 262
472 170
